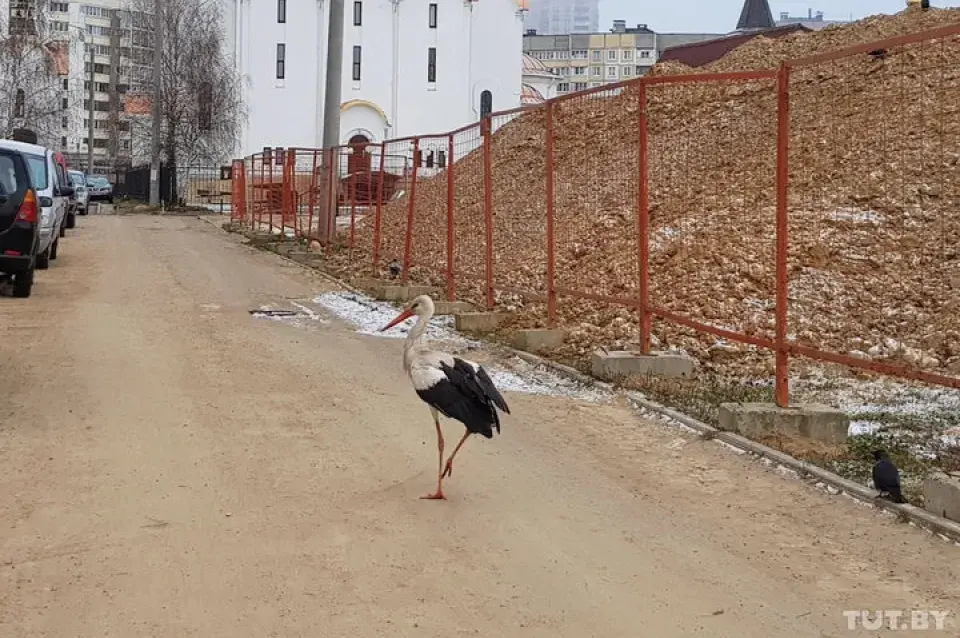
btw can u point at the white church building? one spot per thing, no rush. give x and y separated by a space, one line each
409 66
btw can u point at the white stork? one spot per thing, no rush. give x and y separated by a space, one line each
451 386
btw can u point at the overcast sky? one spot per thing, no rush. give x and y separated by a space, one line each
720 16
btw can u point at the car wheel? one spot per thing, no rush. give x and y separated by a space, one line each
54 250
110 200
72 220
23 283
43 259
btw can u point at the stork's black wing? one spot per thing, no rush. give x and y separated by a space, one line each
468 395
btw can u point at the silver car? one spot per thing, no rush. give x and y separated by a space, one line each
79 181
99 188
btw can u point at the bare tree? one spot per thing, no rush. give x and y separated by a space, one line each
200 96
31 80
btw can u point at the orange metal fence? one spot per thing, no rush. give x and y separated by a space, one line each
770 209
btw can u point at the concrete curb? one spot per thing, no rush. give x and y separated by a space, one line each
931 522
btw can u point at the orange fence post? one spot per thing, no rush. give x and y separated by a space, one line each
313 195
238 205
451 236
408 239
333 206
783 229
287 193
643 226
551 222
486 131
353 200
378 217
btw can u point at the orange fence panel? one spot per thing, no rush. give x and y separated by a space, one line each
874 233
518 206
710 154
428 252
469 263
595 183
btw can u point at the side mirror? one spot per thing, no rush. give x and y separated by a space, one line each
66 191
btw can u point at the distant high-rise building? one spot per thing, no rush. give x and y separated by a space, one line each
560 17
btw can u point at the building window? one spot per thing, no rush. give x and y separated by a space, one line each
612 55
579 86
486 104
66 84
563 87
357 13
579 55
432 19
432 65
598 56
611 72
627 71
595 71
281 61
644 54
357 52
579 70
65 122
282 11
63 142
627 56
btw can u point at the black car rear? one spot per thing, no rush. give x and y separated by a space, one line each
19 222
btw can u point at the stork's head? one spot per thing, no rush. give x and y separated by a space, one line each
421 306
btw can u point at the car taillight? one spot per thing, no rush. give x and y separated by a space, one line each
29 211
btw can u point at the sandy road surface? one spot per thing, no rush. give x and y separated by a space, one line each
171 466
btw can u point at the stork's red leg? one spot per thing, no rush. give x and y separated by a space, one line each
448 470
438 495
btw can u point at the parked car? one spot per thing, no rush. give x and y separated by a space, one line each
79 181
19 222
71 221
53 192
99 188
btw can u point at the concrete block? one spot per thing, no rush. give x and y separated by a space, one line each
478 322
385 292
941 495
538 340
618 364
812 421
261 239
304 257
451 307
284 248
366 283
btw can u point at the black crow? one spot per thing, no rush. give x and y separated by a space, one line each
886 477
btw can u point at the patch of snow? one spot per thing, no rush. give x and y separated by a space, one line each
512 375
369 316
858 215
863 427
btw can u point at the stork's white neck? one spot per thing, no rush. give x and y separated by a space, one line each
413 341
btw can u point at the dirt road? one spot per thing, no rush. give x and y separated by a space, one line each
171 466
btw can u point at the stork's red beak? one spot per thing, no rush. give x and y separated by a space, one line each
403 316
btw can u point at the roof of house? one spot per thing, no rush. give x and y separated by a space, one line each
529 95
755 14
533 66
701 53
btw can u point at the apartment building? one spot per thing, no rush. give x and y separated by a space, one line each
553 17
590 60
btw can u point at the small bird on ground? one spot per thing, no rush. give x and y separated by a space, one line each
886 477
454 387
